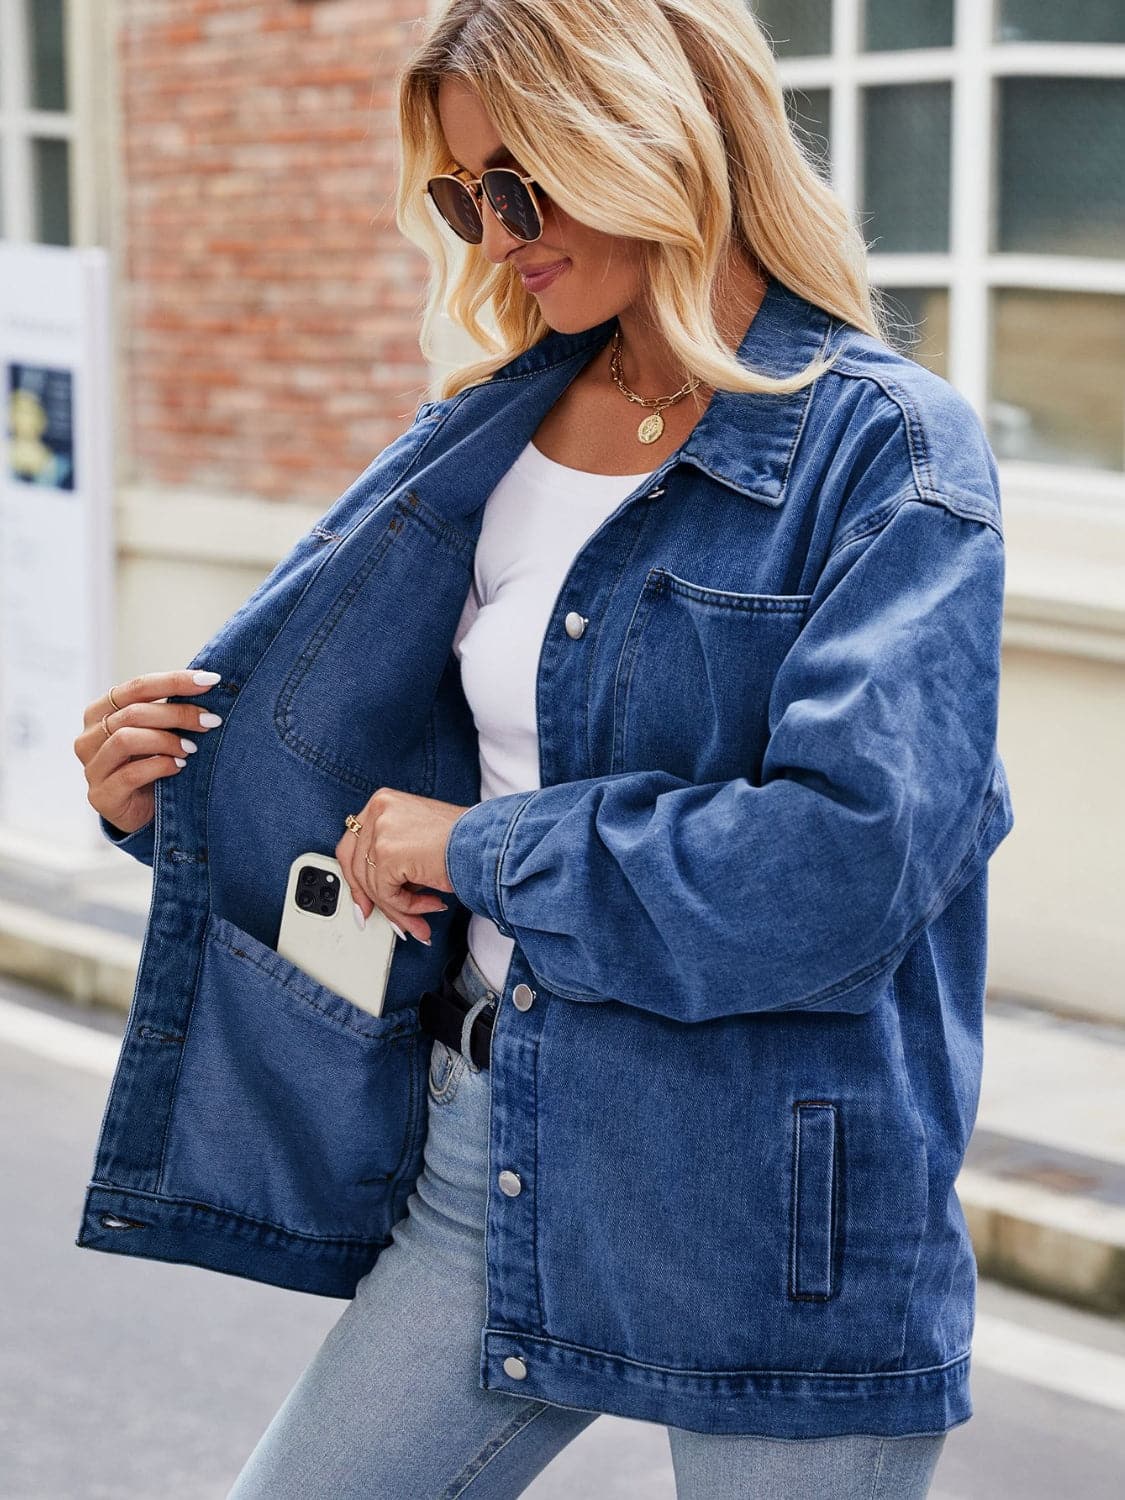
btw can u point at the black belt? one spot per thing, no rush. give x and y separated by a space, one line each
442 1012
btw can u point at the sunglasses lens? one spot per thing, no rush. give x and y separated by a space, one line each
458 207
513 204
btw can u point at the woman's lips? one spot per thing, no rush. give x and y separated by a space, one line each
536 280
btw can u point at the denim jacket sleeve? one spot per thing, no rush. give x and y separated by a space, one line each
141 843
801 891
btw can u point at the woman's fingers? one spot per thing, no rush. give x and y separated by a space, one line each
347 850
360 877
120 774
130 740
128 743
141 705
151 687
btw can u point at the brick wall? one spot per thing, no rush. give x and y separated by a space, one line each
270 313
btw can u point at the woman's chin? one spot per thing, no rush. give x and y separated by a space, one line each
576 320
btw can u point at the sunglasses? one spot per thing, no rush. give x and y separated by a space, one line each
509 195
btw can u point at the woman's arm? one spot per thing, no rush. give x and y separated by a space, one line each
879 796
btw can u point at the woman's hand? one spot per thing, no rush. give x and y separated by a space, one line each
144 742
404 837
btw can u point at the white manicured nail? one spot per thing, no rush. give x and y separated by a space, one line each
189 745
209 678
209 721
179 760
398 929
360 919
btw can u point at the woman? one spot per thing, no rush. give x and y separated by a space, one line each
700 1082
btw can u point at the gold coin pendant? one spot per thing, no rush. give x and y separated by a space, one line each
651 428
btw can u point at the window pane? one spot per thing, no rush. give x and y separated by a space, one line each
50 186
926 310
1058 377
44 22
906 136
894 25
809 111
1061 187
1047 21
797 28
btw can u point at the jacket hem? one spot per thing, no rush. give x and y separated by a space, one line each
198 1234
765 1403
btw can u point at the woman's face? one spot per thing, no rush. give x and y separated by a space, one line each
602 274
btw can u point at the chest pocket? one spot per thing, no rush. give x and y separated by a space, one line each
693 682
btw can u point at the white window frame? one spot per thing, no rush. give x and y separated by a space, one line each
1066 584
82 125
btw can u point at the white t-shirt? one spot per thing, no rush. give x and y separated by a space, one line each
535 522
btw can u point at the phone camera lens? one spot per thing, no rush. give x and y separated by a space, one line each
305 899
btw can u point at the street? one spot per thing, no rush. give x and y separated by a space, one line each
124 1376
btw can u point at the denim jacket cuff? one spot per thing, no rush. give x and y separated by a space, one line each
141 843
474 853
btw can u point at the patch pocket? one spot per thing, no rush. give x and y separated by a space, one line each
293 1106
814 1202
692 687
357 701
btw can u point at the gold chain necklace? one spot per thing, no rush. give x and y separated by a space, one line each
651 427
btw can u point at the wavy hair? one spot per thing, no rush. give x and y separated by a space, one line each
679 105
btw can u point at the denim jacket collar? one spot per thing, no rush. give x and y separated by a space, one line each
744 440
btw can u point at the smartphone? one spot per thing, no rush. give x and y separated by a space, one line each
318 933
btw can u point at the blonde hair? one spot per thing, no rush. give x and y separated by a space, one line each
588 94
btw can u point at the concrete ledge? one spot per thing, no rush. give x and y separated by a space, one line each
1068 1247
85 963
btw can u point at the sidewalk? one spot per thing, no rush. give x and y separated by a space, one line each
1043 1184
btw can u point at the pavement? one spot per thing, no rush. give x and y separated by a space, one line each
1043 1182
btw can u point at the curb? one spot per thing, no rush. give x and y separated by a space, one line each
1061 1245
87 964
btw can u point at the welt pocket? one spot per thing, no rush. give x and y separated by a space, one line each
814 1200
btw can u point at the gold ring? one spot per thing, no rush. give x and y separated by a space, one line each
371 862
105 726
352 822
114 701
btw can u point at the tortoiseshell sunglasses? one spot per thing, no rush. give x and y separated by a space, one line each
510 197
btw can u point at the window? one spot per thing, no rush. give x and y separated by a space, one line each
982 148
36 124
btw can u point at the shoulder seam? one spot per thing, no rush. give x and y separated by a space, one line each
875 520
965 502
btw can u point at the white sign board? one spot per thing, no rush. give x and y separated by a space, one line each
56 547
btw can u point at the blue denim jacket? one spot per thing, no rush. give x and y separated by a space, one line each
749 900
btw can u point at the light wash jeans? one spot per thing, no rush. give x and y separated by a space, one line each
389 1407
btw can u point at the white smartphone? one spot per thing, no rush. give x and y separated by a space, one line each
318 933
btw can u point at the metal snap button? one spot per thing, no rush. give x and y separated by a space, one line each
515 1368
522 996
575 624
510 1184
